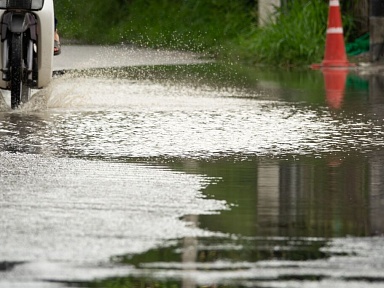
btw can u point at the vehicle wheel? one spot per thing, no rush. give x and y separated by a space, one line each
16 69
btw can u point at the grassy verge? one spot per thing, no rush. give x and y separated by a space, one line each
296 37
226 29
192 25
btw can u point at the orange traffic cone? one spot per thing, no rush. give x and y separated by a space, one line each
335 54
334 80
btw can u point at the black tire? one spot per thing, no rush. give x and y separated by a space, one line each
16 69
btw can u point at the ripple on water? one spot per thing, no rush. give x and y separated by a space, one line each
126 118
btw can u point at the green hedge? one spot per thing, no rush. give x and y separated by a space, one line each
179 24
224 28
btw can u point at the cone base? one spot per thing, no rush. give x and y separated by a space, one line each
332 64
337 63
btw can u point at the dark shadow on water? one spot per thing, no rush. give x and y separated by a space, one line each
18 132
7 266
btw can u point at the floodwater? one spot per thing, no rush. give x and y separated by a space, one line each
200 175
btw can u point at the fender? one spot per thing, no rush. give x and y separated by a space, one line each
19 23
47 28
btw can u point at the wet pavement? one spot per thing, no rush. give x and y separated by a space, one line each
198 175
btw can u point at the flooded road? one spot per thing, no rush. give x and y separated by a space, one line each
199 175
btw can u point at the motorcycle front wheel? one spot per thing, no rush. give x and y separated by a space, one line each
19 89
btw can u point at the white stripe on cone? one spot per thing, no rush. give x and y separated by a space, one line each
334 3
335 30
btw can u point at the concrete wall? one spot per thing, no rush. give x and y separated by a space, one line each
266 10
376 30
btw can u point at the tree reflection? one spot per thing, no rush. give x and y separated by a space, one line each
307 197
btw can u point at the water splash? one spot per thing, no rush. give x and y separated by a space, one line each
127 118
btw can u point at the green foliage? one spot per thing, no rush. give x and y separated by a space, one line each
296 37
224 28
89 21
189 25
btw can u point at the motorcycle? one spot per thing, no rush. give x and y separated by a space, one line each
26 59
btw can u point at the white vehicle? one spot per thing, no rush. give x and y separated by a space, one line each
26 59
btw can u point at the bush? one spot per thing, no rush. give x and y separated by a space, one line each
296 37
189 25
227 28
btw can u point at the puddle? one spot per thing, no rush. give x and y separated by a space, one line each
194 176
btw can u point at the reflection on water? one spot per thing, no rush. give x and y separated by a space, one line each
306 219
301 173
305 197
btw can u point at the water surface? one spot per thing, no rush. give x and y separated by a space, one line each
196 175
